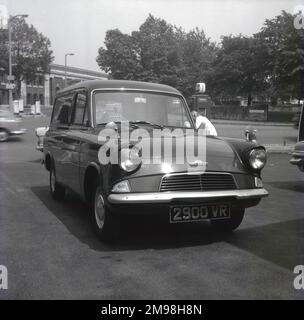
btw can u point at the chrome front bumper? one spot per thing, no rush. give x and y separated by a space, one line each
18 132
297 161
163 197
297 158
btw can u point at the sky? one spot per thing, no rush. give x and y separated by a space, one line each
79 26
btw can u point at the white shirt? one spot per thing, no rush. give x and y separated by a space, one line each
209 127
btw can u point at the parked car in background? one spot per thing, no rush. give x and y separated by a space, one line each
40 133
10 125
298 152
217 188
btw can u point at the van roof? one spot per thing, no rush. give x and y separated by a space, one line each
119 84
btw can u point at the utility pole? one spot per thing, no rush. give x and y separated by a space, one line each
65 67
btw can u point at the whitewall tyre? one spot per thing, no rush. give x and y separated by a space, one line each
105 223
57 191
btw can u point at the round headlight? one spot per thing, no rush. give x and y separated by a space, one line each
130 159
257 158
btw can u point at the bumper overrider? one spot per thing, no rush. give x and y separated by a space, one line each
39 146
170 197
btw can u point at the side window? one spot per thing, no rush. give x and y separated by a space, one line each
80 114
63 110
56 109
176 113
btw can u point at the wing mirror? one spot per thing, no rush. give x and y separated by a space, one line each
250 134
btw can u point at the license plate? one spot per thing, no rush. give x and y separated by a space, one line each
199 213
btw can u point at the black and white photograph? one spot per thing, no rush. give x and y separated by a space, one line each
151 151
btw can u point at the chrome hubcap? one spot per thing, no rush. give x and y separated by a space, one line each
3 135
99 210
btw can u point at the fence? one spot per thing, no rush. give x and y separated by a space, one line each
256 113
280 113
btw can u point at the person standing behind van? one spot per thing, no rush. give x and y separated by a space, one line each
201 120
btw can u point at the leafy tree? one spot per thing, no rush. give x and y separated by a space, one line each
31 52
3 51
270 62
150 54
239 68
198 53
121 58
158 52
285 59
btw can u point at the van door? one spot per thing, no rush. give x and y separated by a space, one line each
72 141
59 130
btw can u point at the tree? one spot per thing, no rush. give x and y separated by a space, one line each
158 52
285 47
239 67
121 58
31 52
3 50
198 53
269 63
150 54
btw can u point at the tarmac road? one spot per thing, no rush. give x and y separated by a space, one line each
51 252
266 134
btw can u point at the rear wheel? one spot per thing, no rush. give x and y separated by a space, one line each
3 135
57 191
105 223
229 225
301 167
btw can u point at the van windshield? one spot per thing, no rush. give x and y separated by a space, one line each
155 108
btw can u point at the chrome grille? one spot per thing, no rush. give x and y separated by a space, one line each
197 182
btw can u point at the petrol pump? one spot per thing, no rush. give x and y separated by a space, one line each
200 101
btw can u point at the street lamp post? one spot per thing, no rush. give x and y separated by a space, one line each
10 73
65 67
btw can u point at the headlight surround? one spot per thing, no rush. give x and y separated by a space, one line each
257 158
122 187
130 159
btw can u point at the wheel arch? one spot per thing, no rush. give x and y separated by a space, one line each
92 177
5 129
48 161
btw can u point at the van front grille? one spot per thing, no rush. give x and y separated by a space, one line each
198 182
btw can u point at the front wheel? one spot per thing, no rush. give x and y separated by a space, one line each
105 223
3 135
229 225
57 191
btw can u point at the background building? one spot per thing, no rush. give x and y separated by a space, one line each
46 85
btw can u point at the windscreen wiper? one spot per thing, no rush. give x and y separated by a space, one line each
133 125
147 122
